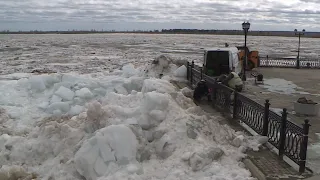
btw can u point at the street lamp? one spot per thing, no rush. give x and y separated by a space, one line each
299 34
245 27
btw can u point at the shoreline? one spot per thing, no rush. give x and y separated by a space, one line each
236 33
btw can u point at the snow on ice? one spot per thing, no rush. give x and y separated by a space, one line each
120 125
181 71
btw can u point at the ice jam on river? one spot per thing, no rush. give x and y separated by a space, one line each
125 124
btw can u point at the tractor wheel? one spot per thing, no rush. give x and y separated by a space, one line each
250 65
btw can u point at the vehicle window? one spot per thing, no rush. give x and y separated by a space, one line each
218 62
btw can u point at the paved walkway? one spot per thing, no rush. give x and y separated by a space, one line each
265 161
273 168
309 82
264 164
314 178
305 78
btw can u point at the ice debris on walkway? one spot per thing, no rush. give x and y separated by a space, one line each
282 86
123 125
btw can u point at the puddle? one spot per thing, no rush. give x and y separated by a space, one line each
282 86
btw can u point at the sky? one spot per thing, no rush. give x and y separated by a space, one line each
283 15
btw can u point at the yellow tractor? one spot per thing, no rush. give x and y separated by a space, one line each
252 57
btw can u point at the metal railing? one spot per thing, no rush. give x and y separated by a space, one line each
288 63
289 138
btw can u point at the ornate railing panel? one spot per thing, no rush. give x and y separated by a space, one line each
274 128
288 63
310 64
277 63
250 112
196 76
210 80
222 97
294 138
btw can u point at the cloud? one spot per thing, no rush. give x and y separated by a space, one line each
213 14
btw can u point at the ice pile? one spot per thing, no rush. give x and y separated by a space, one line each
165 67
112 126
61 94
115 143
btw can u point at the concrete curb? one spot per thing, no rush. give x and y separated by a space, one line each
255 172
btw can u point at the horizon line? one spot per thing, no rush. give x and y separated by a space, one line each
150 30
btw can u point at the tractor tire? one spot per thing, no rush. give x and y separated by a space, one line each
250 65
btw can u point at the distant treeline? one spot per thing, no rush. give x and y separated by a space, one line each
238 32
172 31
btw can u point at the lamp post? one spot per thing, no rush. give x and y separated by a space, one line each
299 34
245 27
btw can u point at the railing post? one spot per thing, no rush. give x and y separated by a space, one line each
235 104
188 70
214 93
204 68
227 96
283 132
201 77
267 63
298 62
266 118
304 147
191 73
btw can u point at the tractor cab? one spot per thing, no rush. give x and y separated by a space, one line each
252 57
221 61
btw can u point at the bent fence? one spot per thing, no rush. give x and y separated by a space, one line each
288 63
289 138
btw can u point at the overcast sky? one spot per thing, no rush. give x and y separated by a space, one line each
158 14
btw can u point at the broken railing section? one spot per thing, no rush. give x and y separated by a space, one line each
289 138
